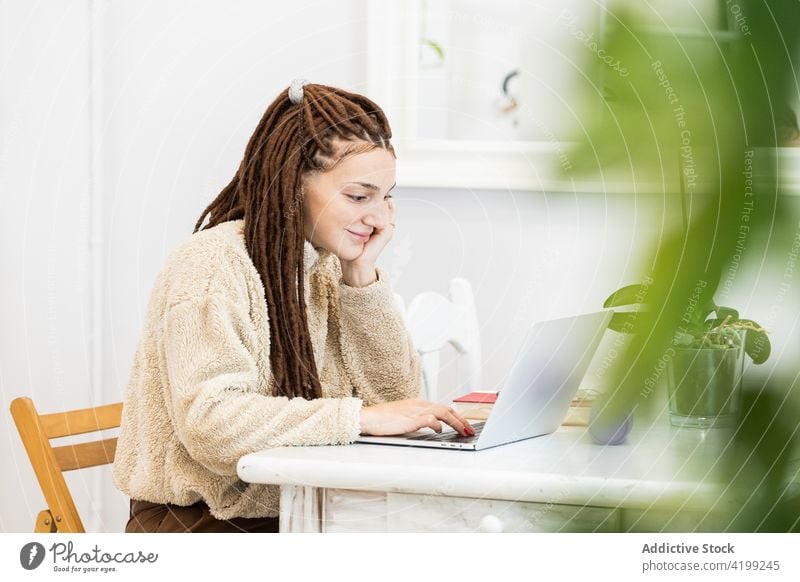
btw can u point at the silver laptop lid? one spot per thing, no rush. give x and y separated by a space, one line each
545 377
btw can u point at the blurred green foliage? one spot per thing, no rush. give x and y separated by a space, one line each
689 120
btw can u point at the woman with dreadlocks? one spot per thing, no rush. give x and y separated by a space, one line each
271 325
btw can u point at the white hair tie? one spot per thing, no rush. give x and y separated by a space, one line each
296 90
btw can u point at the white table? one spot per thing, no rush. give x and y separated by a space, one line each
662 479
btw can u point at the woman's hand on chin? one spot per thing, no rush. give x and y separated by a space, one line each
360 272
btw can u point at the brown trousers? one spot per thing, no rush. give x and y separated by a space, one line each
167 518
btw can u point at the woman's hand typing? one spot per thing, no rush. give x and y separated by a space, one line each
402 416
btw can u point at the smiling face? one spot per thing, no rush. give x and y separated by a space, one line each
344 205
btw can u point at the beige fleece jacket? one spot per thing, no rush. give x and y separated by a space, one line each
199 395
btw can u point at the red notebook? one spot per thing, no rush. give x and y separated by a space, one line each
478 397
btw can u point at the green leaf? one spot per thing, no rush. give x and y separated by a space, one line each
626 296
757 346
683 339
723 312
624 322
756 343
707 308
437 48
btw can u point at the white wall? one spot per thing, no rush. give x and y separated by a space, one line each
529 256
44 260
182 86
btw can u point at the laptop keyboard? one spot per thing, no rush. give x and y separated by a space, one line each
451 435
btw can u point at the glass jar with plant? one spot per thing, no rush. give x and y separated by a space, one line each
705 361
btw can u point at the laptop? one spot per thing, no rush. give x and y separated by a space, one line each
536 397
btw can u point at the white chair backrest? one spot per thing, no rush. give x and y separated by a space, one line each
434 321
401 304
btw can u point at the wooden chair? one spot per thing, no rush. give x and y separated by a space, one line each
50 462
434 321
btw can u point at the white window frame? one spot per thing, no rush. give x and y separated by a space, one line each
392 27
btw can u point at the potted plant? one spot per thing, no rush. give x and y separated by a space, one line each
705 361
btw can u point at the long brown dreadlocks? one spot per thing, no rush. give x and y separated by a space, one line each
292 140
